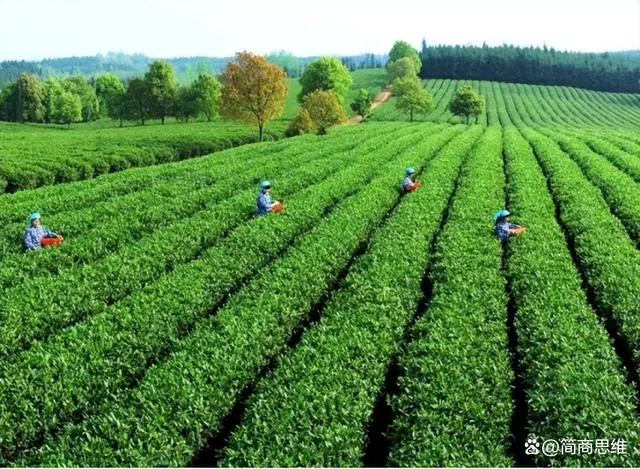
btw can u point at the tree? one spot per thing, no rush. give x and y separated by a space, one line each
325 74
403 84
403 49
69 108
137 100
253 90
32 98
109 89
7 90
424 50
325 109
404 67
186 103
23 100
412 98
302 124
79 86
52 98
467 103
117 107
161 80
207 93
362 104
415 101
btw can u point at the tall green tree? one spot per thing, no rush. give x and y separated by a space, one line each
79 86
118 106
52 98
466 102
326 74
403 84
207 92
412 98
186 103
138 100
403 67
161 79
416 100
5 92
109 89
23 100
69 108
403 49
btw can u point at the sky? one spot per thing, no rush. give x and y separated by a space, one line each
37 29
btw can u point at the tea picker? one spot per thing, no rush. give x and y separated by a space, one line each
410 183
265 205
37 236
504 228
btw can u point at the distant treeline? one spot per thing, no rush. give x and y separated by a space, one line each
545 66
611 71
187 69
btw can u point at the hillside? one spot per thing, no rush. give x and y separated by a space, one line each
171 302
363 325
531 104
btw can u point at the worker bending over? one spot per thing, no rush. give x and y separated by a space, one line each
410 183
504 228
264 200
37 236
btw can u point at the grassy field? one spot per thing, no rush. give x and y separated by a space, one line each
535 105
361 326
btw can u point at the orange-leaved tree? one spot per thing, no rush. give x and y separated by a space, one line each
253 90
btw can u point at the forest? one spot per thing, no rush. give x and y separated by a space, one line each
533 65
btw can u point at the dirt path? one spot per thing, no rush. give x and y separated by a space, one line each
380 99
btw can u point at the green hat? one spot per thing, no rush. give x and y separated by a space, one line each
409 171
501 214
34 216
265 185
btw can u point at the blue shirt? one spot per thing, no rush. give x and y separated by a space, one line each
33 235
502 230
264 203
406 182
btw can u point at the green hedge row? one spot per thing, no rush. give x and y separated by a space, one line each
627 162
39 158
97 232
165 420
574 381
314 409
44 305
454 406
619 190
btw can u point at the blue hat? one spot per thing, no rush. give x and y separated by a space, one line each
34 216
409 170
501 214
265 185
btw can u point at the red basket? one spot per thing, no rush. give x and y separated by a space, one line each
52 241
277 207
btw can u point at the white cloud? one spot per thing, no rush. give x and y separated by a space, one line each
165 28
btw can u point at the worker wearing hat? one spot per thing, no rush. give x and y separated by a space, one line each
264 200
35 233
504 228
410 183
